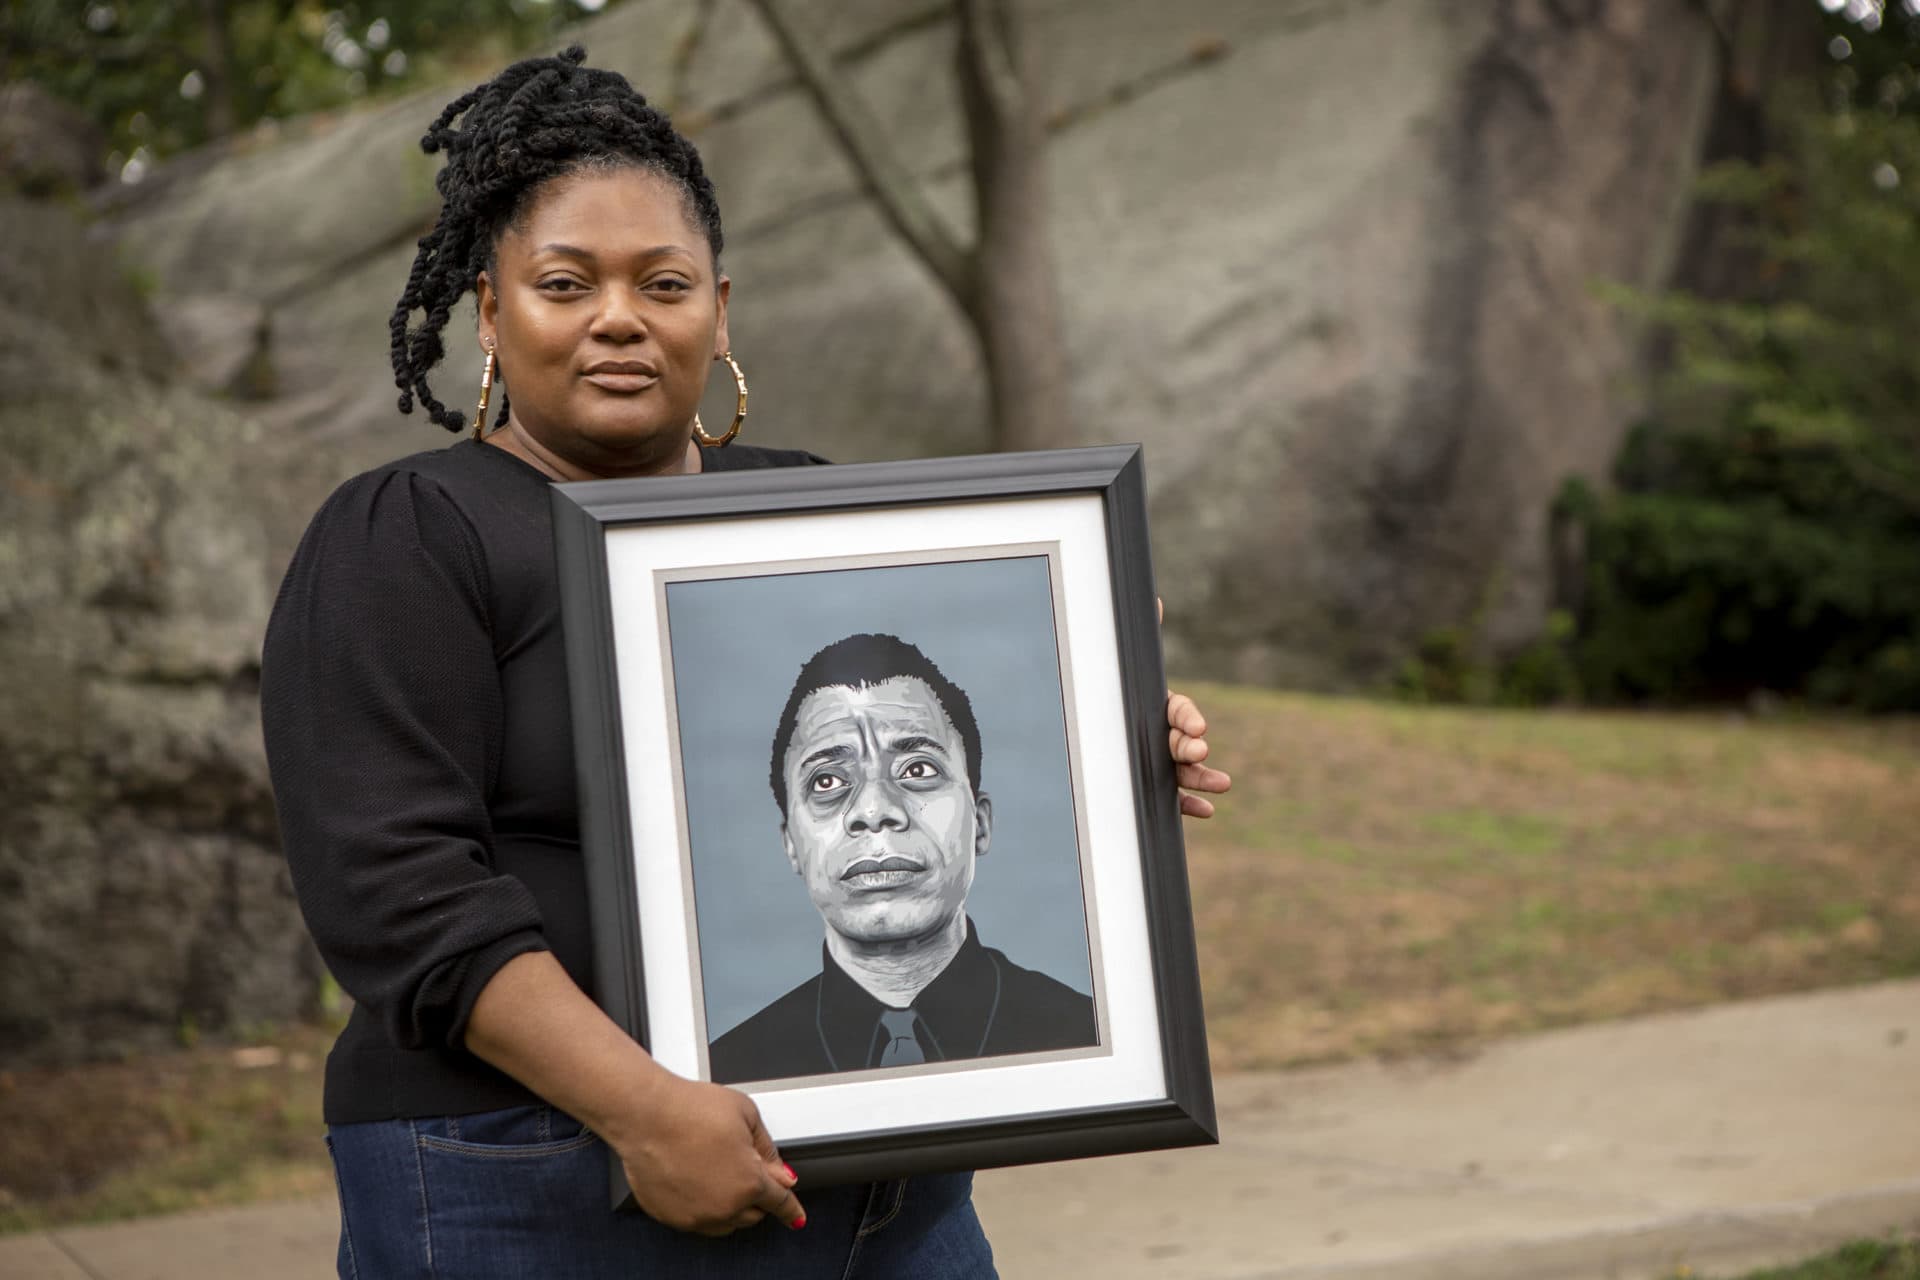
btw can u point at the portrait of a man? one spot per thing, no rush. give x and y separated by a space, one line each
876 772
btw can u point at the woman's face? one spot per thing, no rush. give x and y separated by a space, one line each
605 311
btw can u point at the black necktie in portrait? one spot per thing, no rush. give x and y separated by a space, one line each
898 1040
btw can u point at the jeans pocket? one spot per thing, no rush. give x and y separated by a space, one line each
515 1133
498 1199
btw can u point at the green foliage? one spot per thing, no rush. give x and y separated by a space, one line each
1543 673
160 76
1765 529
1726 564
334 1002
1861 1260
1445 668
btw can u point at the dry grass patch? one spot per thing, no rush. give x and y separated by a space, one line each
1387 879
199 1127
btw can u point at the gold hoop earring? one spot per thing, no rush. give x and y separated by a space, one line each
739 407
486 393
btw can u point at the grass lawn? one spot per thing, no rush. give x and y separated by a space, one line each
1383 879
1861 1260
1393 879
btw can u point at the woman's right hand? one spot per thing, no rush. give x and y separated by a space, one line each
696 1155
698 1159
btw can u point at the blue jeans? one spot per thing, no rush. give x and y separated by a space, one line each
522 1194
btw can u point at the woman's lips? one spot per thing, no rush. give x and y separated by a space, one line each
619 382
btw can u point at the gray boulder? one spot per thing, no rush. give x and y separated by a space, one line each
46 147
141 886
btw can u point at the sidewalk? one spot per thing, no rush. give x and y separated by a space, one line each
1723 1139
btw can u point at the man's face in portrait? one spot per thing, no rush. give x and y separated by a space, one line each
882 822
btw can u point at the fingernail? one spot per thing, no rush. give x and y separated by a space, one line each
790 1173
800 1222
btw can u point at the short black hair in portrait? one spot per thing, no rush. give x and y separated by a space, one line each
540 119
858 662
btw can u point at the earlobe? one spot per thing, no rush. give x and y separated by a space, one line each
721 342
488 308
982 824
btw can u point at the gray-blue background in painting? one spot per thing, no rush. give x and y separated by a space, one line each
738 643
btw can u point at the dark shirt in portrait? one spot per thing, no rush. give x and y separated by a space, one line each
982 1005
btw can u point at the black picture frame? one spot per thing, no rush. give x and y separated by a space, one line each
587 515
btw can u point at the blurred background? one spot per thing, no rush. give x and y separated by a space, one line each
1528 391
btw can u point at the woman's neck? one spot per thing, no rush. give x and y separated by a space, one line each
517 441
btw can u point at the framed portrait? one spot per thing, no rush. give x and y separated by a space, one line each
879 818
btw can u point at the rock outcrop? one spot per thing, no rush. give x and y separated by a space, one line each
141 887
46 147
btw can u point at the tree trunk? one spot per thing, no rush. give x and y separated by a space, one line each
1004 283
218 69
1764 44
1013 299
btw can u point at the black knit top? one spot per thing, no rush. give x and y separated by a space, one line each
414 696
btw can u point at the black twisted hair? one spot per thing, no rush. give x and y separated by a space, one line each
540 119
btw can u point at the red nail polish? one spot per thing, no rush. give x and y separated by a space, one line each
790 1172
799 1222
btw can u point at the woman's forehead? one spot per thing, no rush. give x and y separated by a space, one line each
608 210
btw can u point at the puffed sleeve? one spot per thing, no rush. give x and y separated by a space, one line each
382 710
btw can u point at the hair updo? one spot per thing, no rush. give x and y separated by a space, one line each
540 119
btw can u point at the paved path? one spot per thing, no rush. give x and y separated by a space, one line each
1722 1139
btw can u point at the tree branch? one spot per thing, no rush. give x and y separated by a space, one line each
902 201
986 36
1722 33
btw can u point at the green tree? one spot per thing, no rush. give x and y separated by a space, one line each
1765 530
161 76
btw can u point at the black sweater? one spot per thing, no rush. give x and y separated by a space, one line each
414 697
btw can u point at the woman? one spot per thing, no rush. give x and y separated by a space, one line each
413 696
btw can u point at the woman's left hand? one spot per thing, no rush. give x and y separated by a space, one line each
1187 739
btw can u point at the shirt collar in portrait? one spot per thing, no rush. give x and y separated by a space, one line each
956 1010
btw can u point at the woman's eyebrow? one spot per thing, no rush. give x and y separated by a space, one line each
575 251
